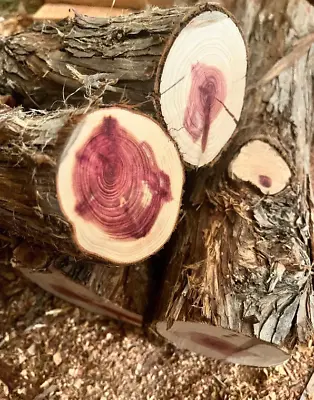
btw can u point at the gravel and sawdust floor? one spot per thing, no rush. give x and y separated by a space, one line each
52 350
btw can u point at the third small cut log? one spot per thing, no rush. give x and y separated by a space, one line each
239 283
115 292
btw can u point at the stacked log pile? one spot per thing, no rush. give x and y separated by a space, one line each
155 168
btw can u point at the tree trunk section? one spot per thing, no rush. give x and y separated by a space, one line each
239 285
31 144
57 64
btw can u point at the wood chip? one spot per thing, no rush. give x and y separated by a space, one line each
57 359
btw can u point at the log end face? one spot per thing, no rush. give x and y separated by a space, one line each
202 84
261 164
120 184
222 344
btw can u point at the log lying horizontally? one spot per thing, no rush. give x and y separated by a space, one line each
140 181
116 292
239 283
119 183
53 64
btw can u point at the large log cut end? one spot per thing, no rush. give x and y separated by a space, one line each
239 285
120 183
201 82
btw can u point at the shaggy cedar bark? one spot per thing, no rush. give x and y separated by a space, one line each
31 144
241 259
116 58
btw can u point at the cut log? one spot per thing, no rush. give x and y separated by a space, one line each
120 184
201 82
119 293
239 283
260 164
32 144
72 61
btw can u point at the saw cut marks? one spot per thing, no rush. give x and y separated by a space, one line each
201 85
260 164
120 184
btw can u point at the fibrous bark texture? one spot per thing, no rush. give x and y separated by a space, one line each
242 257
53 64
31 145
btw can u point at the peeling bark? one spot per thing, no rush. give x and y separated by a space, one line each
53 64
31 144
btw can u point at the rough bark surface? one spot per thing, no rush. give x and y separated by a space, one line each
31 144
242 260
53 64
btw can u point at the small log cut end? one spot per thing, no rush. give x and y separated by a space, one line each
260 164
201 83
120 183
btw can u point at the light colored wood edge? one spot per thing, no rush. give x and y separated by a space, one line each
60 11
134 4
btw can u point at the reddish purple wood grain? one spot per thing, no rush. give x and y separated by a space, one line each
111 175
207 94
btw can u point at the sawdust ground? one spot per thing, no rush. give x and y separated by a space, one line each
52 350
